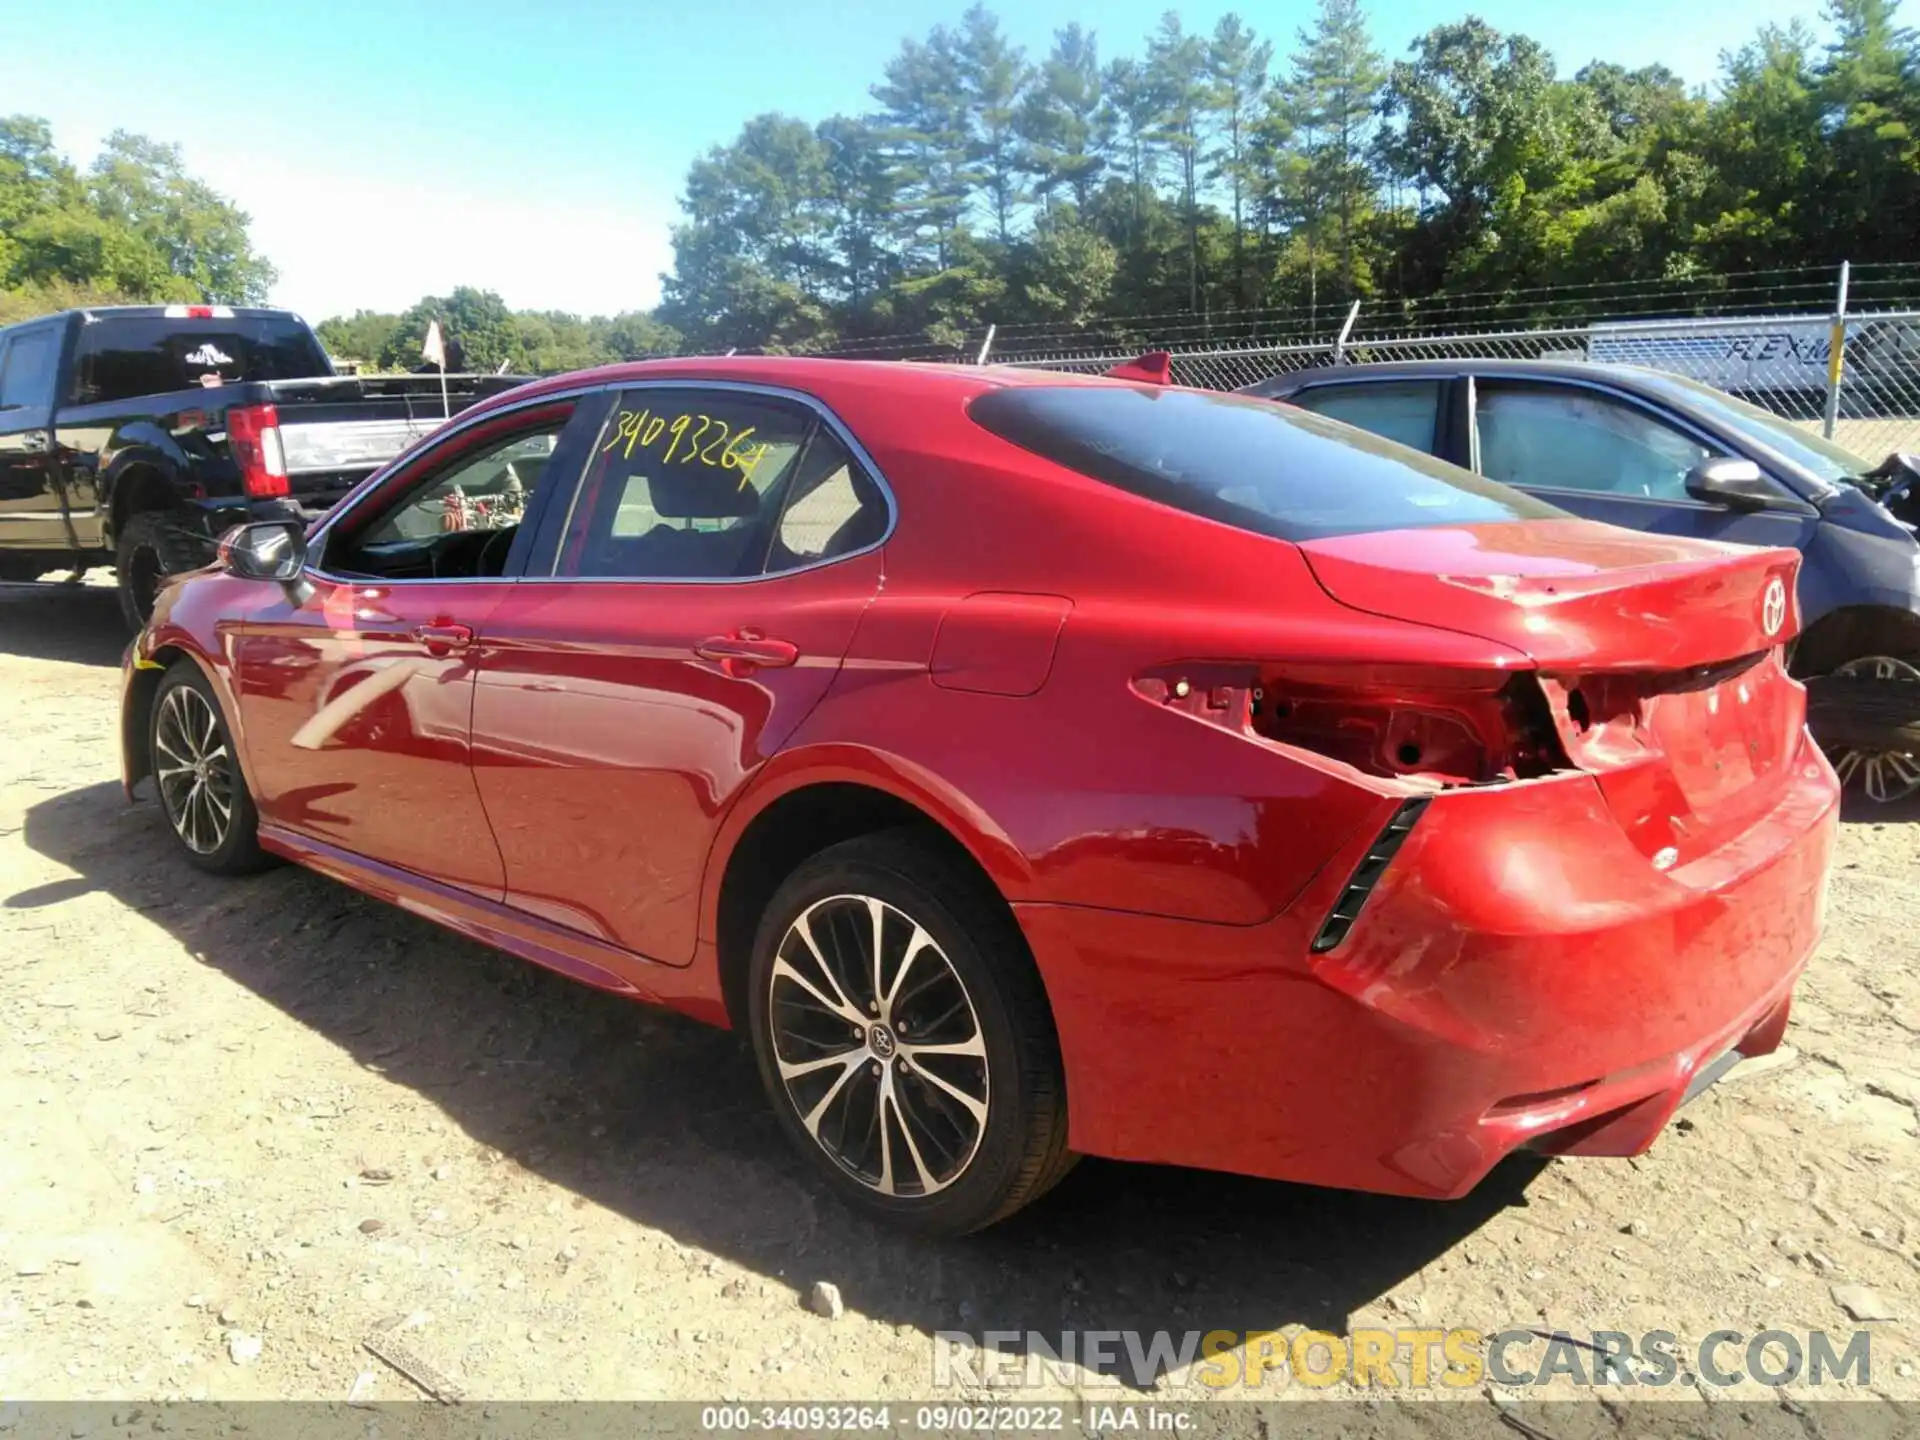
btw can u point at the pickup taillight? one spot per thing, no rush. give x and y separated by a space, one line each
253 438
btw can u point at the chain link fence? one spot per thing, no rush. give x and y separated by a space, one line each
1870 403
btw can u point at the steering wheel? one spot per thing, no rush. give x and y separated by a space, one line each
483 561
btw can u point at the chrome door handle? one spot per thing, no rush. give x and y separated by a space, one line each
747 651
442 639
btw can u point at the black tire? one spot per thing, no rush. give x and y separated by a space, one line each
235 849
151 546
1021 1148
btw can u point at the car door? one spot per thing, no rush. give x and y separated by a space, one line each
33 502
697 604
1608 456
355 688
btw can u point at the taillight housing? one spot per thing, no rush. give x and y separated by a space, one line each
1398 721
253 439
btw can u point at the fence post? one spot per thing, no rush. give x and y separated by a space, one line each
986 346
1836 353
1340 340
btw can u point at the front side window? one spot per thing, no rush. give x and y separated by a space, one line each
1401 410
1575 439
1273 469
455 517
1806 448
690 484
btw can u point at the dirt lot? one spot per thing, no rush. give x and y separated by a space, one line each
244 1125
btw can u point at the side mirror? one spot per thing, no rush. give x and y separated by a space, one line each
267 550
1740 484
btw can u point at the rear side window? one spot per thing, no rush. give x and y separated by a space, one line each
123 356
1250 463
1404 411
26 370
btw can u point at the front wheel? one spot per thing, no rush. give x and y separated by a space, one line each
904 1039
202 790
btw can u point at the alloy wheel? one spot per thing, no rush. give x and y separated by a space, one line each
1885 775
194 769
879 1046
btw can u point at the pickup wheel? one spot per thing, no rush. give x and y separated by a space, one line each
152 545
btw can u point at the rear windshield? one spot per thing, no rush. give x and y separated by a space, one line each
122 356
1251 463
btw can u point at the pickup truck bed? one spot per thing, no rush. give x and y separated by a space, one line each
238 415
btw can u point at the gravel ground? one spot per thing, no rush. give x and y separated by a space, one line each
246 1125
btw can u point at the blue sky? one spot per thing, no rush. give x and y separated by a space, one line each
392 148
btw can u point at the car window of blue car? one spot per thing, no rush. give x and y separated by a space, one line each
1810 451
1402 410
1569 438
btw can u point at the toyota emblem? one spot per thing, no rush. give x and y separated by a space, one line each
1773 606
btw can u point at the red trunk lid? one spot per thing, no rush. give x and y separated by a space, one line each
1570 592
1659 657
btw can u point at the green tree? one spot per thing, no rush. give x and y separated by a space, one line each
200 236
478 321
926 121
1867 90
1476 130
1238 64
993 79
1064 122
136 226
1336 89
1179 83
363 336
1064 271
1766 151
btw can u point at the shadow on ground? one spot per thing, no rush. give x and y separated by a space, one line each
76 623
663 1121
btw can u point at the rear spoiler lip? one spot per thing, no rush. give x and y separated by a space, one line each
1155 367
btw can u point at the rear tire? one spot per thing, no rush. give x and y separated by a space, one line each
197 776
150 547
930 1094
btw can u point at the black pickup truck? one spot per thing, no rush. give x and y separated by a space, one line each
135 435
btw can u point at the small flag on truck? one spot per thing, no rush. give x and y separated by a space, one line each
435 350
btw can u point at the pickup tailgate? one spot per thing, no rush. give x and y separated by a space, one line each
1660 658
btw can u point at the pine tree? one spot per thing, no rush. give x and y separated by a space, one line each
1238 64
1176 73
1337 75
993 78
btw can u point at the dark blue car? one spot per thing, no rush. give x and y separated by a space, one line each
1656 452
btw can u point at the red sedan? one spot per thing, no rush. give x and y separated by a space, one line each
1034 765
